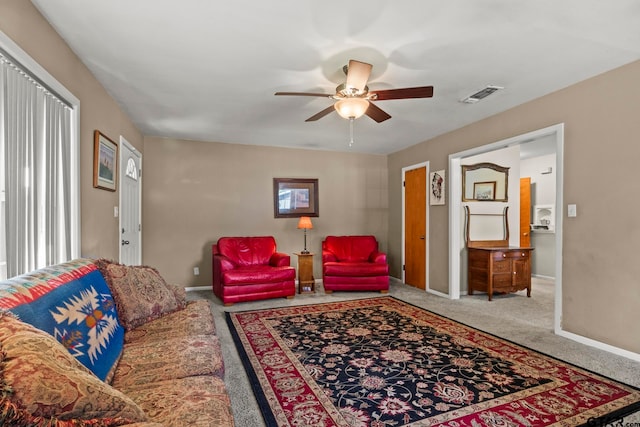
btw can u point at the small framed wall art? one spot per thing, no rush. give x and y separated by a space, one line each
105 162
293 197
484 190
436 188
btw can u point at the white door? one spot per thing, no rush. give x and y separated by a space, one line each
130 200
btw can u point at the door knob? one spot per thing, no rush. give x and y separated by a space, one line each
125 242
421 237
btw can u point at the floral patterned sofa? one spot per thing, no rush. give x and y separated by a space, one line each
96 343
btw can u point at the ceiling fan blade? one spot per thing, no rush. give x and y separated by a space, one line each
303 94
321 114
357 74
376 113
409 92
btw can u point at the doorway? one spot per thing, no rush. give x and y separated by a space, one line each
456 252
415 226
130 230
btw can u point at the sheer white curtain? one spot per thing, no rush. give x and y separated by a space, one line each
37 173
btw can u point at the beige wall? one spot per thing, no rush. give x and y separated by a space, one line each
600 270
196 192
20 21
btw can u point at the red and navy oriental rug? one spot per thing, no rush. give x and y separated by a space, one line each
381 362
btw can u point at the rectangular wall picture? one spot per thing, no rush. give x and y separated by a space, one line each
105 162
294 197
484 190
436 187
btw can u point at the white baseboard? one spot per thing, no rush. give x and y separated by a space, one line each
438 293
600 345
198 288
540 276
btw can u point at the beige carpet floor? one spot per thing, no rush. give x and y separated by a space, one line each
526 321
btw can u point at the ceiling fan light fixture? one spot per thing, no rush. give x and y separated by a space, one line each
351 108
352 99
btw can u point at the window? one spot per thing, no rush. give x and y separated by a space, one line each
132 170
39 165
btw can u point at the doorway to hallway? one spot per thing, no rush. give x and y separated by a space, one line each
456 240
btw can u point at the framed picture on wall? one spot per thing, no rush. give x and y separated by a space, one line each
436 188
293 197
484 190
105 162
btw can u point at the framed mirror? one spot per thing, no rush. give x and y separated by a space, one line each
485 182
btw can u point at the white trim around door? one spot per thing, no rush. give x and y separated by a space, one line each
130 202
455 208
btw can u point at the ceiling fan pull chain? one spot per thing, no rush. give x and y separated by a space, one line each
351 119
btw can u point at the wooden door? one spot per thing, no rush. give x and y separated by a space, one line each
415 219
525 212
521 273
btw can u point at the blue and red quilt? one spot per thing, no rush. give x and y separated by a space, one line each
72 302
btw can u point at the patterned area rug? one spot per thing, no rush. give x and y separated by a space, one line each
381 362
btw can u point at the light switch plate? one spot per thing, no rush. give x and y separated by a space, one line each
571 211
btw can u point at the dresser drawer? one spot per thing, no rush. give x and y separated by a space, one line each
509 255
502 265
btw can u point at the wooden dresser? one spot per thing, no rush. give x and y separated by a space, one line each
499 269
494 266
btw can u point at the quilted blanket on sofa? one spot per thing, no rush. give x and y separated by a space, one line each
71 302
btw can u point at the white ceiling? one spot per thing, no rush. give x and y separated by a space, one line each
208 70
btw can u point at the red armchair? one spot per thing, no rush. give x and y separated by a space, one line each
250 268
354 263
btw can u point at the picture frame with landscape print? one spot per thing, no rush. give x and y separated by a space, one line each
484 190
105 162
295 197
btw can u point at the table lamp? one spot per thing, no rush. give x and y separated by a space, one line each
305 223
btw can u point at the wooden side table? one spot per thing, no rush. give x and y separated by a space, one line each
306 283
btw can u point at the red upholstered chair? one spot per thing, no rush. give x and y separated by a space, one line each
354 263
250 268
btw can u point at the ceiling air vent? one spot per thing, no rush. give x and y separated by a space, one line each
481 94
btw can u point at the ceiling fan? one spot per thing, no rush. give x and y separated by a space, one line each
354 99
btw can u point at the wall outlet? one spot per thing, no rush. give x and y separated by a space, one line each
196 271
